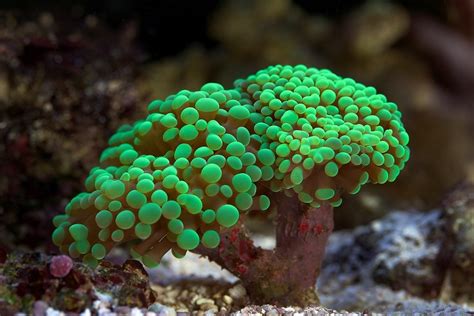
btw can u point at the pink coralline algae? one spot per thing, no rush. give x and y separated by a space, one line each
60 266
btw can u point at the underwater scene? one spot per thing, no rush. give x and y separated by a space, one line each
236 157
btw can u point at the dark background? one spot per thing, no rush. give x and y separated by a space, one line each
70 74
176 24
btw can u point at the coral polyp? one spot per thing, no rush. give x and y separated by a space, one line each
202 159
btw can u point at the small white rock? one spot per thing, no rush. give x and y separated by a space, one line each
87 312
52 312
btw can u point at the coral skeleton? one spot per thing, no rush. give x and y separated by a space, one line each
290 138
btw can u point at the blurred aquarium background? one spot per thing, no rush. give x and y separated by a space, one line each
71 72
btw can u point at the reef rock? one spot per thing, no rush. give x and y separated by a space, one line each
459 282
26 278
401 251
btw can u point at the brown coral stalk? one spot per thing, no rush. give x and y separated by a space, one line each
287 274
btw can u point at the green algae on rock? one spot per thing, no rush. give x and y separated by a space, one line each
202 158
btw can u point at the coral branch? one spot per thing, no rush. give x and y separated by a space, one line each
236 251
286 275
302 234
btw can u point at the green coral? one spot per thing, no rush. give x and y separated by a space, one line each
202 158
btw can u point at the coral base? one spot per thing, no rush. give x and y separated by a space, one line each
286 275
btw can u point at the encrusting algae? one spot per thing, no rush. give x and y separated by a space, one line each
201 158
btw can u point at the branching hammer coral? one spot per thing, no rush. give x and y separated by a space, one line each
181 178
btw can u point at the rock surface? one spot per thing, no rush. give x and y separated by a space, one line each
66 83
385 267
391 265
401 251
459 283
26 278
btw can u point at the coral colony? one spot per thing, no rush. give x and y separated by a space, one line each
292 138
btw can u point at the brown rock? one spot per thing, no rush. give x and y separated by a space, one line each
459 282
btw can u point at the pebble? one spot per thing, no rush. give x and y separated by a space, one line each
162 310
39 308
272 312
87 312
122 310
52 312
209 307
102 307
227 299
169 311
237 292
202 301
136 312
